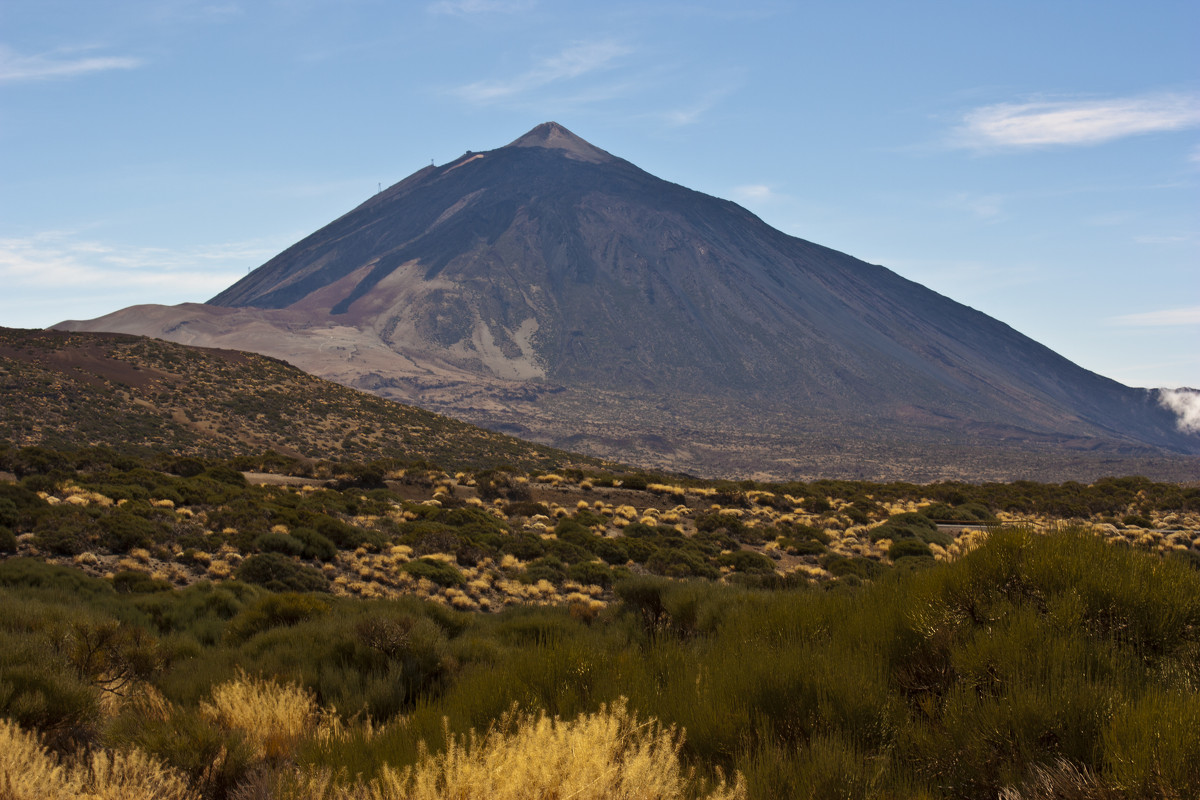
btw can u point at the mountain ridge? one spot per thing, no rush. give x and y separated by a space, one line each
509 286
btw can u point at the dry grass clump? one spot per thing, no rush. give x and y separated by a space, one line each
29 772
608 755
272 717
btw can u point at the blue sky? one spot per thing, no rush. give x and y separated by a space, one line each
1037 161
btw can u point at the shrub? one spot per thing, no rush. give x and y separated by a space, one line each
440 572
676 562
274 718
279 543
281 574
66 532
609 753
591 573
747 561
133 582
612 551
802 547
124 530
274 611
524 546
223 473
8 540
843 566
316 546
905 548
546 568
568 552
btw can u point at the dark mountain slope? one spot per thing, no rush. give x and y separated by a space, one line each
133 394
556 289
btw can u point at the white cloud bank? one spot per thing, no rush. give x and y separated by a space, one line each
16 68
1078 122
1186 405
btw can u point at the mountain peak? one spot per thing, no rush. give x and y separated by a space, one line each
553 136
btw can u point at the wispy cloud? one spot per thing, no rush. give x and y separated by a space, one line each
573 62
1165 317
15 68
51 262
755 193
984 207
691 114
1076 122
471 8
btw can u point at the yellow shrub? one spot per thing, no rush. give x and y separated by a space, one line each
603 756
274 718
132 776
28 772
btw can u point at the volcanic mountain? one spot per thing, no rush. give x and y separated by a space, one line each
550 289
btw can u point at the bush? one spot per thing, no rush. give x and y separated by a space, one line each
546 568
905 548
279 543
316 546
747 561
8 540
611 550
274 611
133 582
66 532
676 562
442 573
281 574
858 567
591 573
802 547
123 530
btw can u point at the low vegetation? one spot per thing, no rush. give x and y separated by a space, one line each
1035 660
472 619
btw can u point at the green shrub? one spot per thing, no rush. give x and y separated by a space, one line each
747 561
66 531
279 573
279 543
904 548
274 611
567 552
524 546
677 562
133 582
8 540
546 568
315 546
223 473
801 547
591 573
440 572
856 566
612 551
123 530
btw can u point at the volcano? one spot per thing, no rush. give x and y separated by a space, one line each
552 290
